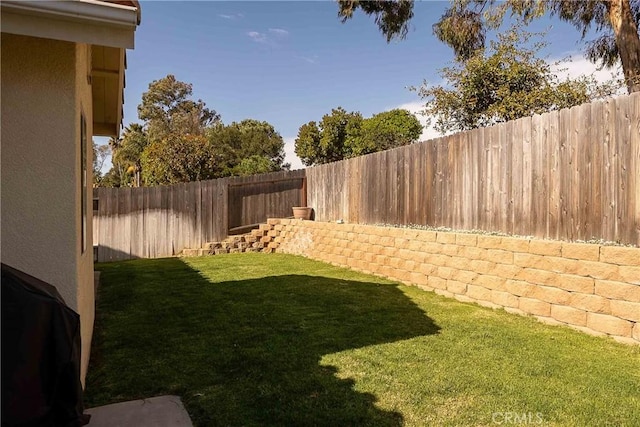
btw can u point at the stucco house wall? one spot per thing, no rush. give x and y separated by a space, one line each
44 92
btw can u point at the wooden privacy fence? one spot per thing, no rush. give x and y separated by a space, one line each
152 222
568 175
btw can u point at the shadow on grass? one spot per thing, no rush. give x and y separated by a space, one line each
243 352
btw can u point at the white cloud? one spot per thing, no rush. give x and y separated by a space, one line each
577 66
279 32
232 16
290 153
415 107
271 37
310 59
257 37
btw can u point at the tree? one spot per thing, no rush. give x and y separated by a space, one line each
245 141
167 109
177 159
330 141
100 154
506 83
127 151
342 135
464 24
181 140
307 144
385 131
254 165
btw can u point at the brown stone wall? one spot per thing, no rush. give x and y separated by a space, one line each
590 287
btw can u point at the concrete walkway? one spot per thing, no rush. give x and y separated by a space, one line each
161 411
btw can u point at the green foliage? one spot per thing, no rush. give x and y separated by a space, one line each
167 109
392 17
127 151
254 165
179 158
307 144
328 141
237 142
181 140
506 83
342 135
463 26
100 154
385 131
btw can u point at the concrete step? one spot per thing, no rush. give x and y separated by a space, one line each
160 411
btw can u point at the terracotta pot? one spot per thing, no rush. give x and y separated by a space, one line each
300 212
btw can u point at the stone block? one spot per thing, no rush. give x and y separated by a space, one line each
490 242
465 239
626 310
569 315
456 287
458 262
581 251
478 292
471 252
504 299
482 267
449 250
536 276
190 252
617 290
629 274
419 279
498 256
590 302
609 324
446 237
520 288
444 272
598 270
525 260
507 271
551 295
545 247
465 276
620 255
534 306
437 282
427 236
515 244
491 282
585 285
427 268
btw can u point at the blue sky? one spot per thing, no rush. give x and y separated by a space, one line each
291 62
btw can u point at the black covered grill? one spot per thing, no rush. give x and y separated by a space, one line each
40 355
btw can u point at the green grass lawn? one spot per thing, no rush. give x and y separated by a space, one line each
258 340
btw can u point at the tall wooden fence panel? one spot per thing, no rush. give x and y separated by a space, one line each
152 222
571 175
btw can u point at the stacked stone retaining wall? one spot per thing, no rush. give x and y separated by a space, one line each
590 287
